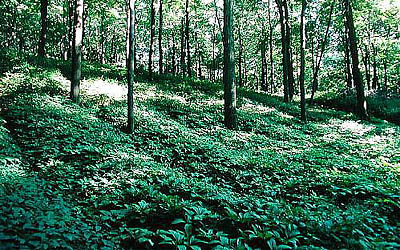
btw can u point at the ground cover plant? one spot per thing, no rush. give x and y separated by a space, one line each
72 178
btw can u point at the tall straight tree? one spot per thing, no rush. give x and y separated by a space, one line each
229 68
152 34
77 51
189 63
43 31
160 31
131 64
361 101
285 55
302 60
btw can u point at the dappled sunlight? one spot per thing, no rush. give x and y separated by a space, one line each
249 107
355 127
102 87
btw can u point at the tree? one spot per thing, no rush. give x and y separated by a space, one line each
229 68
189 63
361 101
160 31
285 54
302 60
77 51
43 31
131 64
152 34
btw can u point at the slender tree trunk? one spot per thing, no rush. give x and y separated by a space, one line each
213 66
375 79
240 82
319 59
77 52
131 64
289 51
302 61
263 66
229 68
189 63
271 55
285 62
361 101
71 27
183 67
160 31
152 33
173 54
366 67
43 31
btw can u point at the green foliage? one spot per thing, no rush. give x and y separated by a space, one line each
182 181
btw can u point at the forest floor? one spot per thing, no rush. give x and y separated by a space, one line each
71 178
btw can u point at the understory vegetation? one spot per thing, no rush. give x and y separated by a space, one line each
71 178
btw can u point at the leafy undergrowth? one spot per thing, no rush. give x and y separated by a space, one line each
72 179
385 107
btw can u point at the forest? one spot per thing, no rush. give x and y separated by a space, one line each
200 124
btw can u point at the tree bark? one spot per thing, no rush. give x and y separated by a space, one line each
152 33
43 31
302 61
240 59
183 67
271 55
289 51
77 52
285 61
375 79
189 63
366 67
131 64
361 101
263 65
229 68
160 31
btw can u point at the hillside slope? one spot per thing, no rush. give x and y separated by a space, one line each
74 179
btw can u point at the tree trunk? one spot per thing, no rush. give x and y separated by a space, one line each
361 101
288 51
173 54
366 67
213 52
302 61
229 68
183 68
71 27
152 33
240 82
271 55
375 79
43 31
263 65
189 63
77 52
285 62
319 59
131 64
160 30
